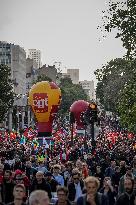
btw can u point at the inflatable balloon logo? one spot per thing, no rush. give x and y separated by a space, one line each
77 109
44 98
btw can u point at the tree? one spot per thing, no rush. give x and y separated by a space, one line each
121 17
111 80
6 91
70 93
127 102
43 78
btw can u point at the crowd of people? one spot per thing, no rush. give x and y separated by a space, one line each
64 174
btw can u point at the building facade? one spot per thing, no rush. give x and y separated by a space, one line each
74 75
31 73
49 71
36 55
88 87
15 58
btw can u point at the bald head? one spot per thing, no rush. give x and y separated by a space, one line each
39 197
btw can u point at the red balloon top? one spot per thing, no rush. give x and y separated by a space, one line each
77 108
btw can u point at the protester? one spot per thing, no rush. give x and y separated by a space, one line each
19 195
92 197
128 197
40 184
59 178
24 161
39 197
75 188
62 194
7 187
108 190
51 181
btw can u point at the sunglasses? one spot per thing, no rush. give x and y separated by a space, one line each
75 178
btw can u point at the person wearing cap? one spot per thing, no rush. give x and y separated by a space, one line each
59 178
52 182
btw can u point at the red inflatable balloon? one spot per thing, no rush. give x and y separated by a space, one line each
78 108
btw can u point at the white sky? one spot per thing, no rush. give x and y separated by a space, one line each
64 30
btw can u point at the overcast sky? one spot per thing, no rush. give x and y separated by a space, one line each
64 30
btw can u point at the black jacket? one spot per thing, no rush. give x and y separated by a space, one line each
110 195
100 199
53 184
68 203
7 192
72 190
43 186
125 199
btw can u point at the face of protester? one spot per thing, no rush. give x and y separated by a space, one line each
1 169
19 179
122 163
79 165
39 177
76 178
7 176
42 199
28 164
129 172
107 182
91 188
56 170
18 193
62 197
113 164
98 169
128 186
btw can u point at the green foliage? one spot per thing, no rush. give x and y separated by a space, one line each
6 91
70 93
43 78
127 102
116 86
121 17
111 80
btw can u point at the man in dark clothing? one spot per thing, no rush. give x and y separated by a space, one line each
52 182
75 188
7 188
62 194
127 198
41 184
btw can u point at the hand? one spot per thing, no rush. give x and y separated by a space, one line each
91 199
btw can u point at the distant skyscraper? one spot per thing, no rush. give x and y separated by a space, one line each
36 55
74 75
88 87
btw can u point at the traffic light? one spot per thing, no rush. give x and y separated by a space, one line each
93 110
90 116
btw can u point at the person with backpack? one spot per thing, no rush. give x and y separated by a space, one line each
92 196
